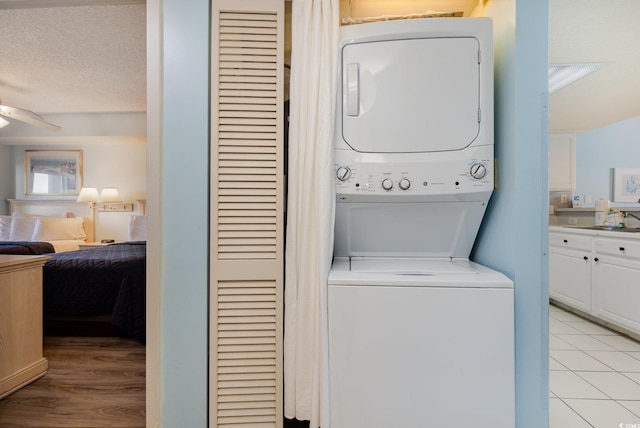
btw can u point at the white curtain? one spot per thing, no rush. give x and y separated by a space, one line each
310 209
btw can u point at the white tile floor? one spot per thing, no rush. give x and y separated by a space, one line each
594 374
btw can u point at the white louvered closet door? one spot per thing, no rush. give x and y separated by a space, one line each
247 215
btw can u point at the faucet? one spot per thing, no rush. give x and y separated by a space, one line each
626 214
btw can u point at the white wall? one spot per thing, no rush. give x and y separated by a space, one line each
115 165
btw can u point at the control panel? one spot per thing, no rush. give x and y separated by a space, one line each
365 174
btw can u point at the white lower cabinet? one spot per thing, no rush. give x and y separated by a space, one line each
570 269
599 275
616 282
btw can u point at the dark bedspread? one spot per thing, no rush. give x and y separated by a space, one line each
99 281
25 248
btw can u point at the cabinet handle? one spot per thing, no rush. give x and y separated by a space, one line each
586 258
621 248
596 259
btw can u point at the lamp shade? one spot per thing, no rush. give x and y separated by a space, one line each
88 194
110 194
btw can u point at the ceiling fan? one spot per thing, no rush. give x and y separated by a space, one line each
26 116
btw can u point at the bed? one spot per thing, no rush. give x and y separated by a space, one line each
63 224
26 248
103 281
84 290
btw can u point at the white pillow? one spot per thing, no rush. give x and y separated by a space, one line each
22 227
137 228
53 229
5 227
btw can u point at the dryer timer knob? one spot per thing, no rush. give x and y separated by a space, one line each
387 184
404 184
343 173
478 170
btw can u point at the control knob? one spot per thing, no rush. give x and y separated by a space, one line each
343 173
387 184
478 170
404 184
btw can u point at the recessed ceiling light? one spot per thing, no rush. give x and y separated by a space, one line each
561 75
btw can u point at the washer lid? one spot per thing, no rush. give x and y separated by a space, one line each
404 266
411 95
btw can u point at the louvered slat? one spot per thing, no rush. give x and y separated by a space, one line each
228 44
243 156
246 220
265 86
246 227
245 145
249 79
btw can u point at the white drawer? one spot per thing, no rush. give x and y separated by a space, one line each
618 247
568 240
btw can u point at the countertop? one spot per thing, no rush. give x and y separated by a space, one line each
593 209
633 232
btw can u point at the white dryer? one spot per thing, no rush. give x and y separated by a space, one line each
418 334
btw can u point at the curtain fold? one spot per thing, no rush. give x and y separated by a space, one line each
310 209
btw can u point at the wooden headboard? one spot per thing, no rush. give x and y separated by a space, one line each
49 207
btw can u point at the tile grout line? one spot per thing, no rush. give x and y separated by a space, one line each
564 323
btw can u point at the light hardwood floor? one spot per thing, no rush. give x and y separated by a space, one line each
92 382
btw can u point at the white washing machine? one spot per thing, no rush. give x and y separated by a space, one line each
419 336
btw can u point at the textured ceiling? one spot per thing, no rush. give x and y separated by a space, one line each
89 56
73 59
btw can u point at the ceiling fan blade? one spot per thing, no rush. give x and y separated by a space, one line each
27 117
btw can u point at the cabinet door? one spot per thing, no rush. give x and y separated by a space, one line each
570 278
562 162
616 292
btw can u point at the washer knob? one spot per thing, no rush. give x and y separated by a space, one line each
387 184
404 184
478 170
343 173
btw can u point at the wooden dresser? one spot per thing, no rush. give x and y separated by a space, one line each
21 360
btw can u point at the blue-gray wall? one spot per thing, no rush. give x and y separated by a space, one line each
599 150
184 217
513 238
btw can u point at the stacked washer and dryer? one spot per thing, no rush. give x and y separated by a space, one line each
419 335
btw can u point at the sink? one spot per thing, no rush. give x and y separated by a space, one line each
609 228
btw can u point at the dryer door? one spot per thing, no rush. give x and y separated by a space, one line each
412 95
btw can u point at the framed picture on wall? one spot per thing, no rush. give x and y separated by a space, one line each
53 172
626 184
